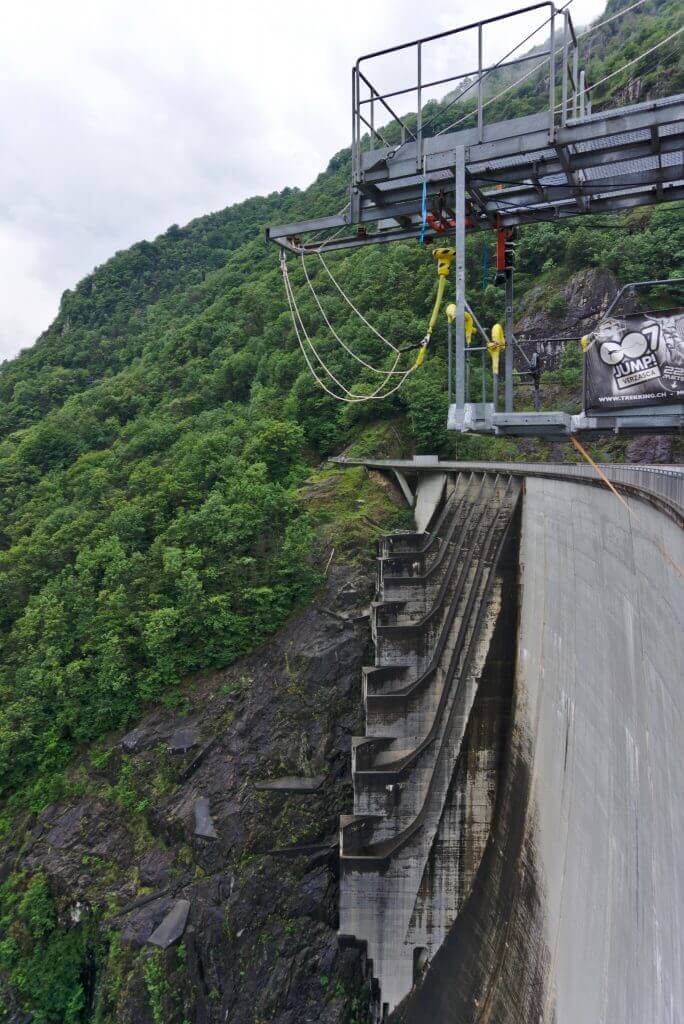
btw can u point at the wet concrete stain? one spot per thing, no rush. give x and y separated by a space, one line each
493 967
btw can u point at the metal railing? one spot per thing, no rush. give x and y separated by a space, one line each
662 481
368 103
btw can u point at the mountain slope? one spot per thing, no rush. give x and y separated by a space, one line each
155 444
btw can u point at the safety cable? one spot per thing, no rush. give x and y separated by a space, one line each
537 67
485 264
647 67
618 14
636 60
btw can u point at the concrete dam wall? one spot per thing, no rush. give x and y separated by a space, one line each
541 877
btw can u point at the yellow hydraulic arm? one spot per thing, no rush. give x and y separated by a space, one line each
444 257
496 346
469 322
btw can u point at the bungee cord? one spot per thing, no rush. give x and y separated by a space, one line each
374 369
351 305
348 396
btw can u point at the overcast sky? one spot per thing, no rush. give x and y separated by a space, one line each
118 118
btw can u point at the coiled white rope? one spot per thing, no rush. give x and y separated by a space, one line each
374 369
352 306
302 337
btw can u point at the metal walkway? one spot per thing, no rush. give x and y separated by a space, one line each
518 172
561 161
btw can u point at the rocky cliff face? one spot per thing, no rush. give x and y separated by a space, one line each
260 941
583 300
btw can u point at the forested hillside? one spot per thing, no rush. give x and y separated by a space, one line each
155 445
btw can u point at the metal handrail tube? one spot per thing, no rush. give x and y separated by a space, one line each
386 105
436 606
457 522
552 73
418 43
480 87
455 78
456 31
639 284
452 507
417 685
373 131
355 166
419 112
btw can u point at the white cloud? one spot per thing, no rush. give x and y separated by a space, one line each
120 118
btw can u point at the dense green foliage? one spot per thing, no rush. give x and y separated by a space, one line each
42 963
153 448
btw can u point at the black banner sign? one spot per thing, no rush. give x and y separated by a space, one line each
635 360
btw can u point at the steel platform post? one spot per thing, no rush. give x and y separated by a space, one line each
459 241
508 351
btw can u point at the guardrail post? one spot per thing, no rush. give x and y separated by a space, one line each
372 116
508 351
459 240
355 126
354 196
419 112
480 89
552 74
564 76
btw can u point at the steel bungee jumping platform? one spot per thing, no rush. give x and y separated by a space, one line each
410 180
517 172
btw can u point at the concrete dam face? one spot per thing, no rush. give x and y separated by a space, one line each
517 848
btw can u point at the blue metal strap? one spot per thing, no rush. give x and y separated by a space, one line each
423 211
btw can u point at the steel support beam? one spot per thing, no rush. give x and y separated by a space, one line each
558 212
386 191
459 240
508 351
518 137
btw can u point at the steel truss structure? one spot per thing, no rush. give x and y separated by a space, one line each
562 161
